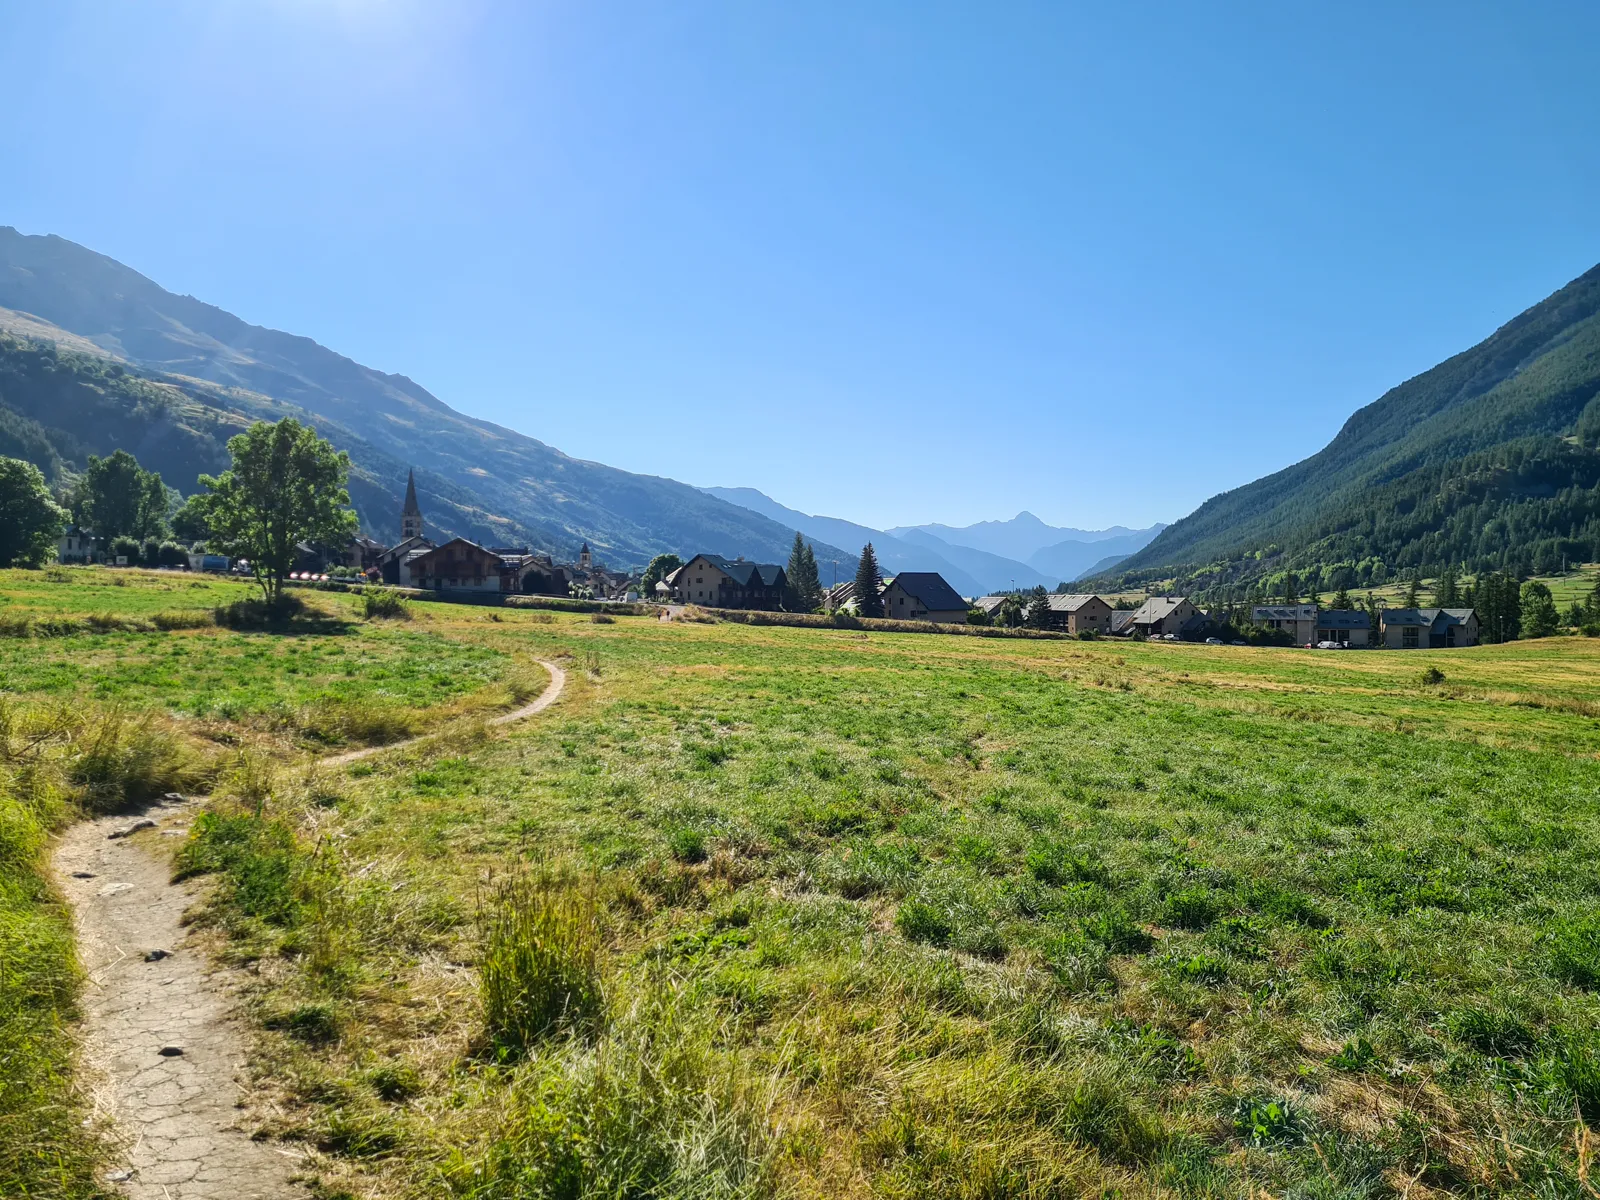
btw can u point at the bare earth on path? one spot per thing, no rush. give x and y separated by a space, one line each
162 1043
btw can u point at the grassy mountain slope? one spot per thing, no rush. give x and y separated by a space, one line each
59 406
1537 377
527 490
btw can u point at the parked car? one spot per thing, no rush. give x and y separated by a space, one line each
1330 645
1213 641
1238 642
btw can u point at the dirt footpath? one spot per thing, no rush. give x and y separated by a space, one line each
158 1027
164 1052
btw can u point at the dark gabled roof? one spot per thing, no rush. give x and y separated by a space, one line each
930 588
1426 616
1343 618
746 574
1284 612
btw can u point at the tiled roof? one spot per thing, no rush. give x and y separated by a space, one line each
930 588
1070 603
1157 608
1343 618
1426 616
989 604
745 574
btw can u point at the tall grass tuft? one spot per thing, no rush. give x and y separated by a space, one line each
650 1109
118 759
541 959
45 1149
385 604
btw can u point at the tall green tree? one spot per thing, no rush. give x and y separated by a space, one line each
660 567
1539 615
1499 605
1038 608
805 588
869 584
30 522
116 497
1413 597
189 522
286 485
1447 592
1341 601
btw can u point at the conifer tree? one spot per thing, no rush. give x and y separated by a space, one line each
869 584
1447 592
1413 598
813 579
1341 601
805 590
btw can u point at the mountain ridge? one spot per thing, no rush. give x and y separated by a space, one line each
1510 407
533 492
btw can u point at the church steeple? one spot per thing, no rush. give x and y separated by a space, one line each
411 516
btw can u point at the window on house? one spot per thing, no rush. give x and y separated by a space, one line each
1408 637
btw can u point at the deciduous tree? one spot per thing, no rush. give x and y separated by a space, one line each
116 497
286 485
660 567
30 522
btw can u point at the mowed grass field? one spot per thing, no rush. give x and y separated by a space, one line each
762 911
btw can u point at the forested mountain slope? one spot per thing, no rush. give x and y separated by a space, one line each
1487 458
510 482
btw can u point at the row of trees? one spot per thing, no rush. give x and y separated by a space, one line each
286 485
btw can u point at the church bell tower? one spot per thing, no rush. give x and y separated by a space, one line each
411 517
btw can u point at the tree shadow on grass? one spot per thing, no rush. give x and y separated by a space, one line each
286 615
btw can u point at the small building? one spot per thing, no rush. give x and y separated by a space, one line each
394 564
534 575
1347 626
456 566
988 605
1160 615
1078 613
1299 621
1122 621
77 545
1429 628
362 553
719 582
923 596
841 597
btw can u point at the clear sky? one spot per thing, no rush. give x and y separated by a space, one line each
897 262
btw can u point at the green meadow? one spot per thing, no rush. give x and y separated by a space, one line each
759 911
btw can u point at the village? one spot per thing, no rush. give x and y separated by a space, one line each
463 570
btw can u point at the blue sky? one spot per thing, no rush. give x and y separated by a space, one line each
891 262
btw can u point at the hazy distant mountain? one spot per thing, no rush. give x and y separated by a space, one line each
1023 536
1076 558
473 475
998 574
971 570
893 554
